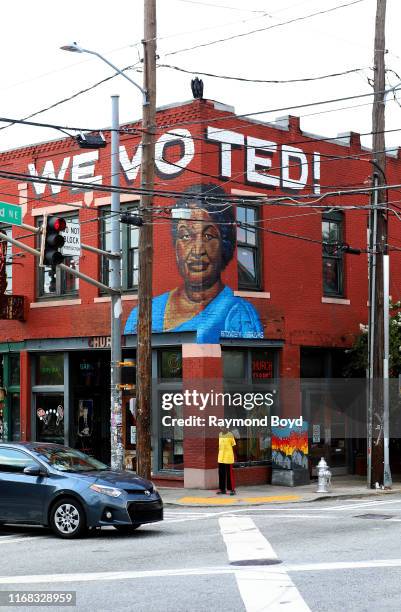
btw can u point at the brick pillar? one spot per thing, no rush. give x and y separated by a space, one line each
202 369
290 390
25 395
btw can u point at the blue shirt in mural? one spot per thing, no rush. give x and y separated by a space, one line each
226 316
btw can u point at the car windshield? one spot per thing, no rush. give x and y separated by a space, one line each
68 459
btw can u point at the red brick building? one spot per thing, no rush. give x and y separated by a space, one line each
309 301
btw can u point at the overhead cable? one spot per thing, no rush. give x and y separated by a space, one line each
269 81
264 29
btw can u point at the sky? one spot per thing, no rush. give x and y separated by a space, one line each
37 74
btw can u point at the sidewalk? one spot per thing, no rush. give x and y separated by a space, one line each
343 487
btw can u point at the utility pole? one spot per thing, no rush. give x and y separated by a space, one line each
144 331
116 438
378 250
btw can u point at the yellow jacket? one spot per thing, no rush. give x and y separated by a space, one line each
226 444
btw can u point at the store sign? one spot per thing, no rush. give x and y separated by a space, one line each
262 368
100 342
12 307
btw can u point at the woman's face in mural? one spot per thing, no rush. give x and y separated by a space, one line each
199 249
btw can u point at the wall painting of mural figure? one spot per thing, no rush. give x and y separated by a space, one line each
204 243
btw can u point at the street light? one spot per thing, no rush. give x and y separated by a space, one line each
117 448
75 48
144 334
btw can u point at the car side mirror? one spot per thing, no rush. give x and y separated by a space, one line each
34 470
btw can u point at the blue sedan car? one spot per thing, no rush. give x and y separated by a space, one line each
56 486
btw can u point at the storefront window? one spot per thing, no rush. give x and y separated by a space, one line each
234 365
172 442
170 451
170 364
262 365
50 417
14 370
50 369
89 403
247 373
15 419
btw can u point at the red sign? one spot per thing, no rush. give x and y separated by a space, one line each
262 368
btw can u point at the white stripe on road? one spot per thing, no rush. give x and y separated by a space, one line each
257 576
367 504
104 576
265 587
275 516
342 565
20 540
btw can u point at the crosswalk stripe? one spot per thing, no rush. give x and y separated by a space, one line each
265 587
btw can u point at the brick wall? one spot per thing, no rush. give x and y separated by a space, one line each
292 269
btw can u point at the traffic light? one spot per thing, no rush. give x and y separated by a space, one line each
52 241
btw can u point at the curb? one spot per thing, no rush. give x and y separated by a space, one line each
324 497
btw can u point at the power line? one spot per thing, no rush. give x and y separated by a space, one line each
270 81
221 6
208 120
179 194
264 29
75 95
271 110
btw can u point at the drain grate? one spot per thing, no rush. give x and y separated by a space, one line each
377 517
243 562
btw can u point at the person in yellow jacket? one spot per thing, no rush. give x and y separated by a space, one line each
225 461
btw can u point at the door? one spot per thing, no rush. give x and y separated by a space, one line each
22 497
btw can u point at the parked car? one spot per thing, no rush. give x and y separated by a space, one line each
56 486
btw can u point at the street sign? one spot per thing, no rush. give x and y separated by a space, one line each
10 213
72 235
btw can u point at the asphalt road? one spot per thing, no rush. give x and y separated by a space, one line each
323 556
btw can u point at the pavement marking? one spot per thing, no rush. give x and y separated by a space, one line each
250 511
261 589
272 498
105 576
342 565
20 540
366 504
234 500
209 500
259 582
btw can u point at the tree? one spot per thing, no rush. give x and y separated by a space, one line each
358 355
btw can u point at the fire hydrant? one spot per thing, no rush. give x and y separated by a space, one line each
324 477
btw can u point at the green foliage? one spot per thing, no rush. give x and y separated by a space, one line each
358 355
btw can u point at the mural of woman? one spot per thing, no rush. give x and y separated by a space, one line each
204 245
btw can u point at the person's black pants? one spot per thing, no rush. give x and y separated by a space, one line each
226 477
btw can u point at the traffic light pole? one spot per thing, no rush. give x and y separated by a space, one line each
116 437
36 253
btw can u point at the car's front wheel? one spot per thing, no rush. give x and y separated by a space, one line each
126 529
67 518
